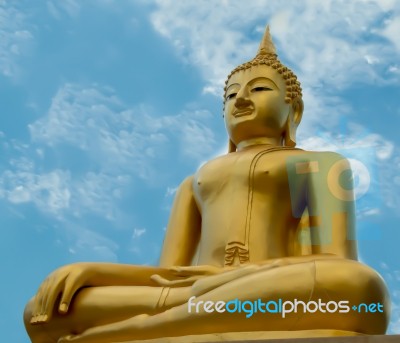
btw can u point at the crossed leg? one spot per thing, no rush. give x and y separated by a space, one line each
97 306
330 280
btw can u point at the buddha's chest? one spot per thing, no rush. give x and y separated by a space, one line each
264 172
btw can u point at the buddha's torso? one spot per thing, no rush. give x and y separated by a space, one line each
246 208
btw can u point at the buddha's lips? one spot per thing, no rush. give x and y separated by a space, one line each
242 112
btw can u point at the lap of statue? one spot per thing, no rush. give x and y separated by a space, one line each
104 314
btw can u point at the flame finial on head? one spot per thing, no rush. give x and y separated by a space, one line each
267 45
266 55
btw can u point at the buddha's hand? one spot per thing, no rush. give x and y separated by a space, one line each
65 281
187 276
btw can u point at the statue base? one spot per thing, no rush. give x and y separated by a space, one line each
303 336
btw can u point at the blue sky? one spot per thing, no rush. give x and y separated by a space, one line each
107 105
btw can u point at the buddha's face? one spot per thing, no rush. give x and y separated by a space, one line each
255 104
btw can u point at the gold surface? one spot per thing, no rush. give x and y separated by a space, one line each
265 221
251 336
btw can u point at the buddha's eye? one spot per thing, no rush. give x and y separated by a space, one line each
231 96
260 89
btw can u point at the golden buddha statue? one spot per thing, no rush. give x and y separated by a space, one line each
265 222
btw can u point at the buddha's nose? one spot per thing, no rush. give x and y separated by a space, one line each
242 102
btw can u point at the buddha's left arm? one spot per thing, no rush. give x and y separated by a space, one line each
331 207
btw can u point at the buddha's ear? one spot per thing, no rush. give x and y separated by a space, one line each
298 108
231 147
293 120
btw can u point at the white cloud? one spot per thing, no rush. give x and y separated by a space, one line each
391 31
88 245
197 139
377 155
56 8
371 59
390 172
328 52
48 191
171 191
343 46
368 212
95 121
394 326
97 193
112 145
138 233
62 193
15 38
392 278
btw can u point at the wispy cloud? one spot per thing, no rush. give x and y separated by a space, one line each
50 191
373 159
138 233
332 51
15 37
94 121
88 244
110 147
391 30
57 8
393 279
354 42
344 45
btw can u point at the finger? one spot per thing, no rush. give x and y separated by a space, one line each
45 292
184 282
65 339
38 303
180 272
189 270
52 294
70 287
161 281
35 312
180 275
70 338
176 283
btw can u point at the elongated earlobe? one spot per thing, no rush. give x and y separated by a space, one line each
231 147
293 122
290 134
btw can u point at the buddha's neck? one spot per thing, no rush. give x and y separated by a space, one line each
275 141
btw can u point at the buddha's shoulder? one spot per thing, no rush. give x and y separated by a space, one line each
218 160
323 156
320 155
314 159
285 154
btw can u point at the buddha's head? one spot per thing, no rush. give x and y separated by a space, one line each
262 99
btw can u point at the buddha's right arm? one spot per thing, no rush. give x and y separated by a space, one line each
67 280
184 227
179 246
181 239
